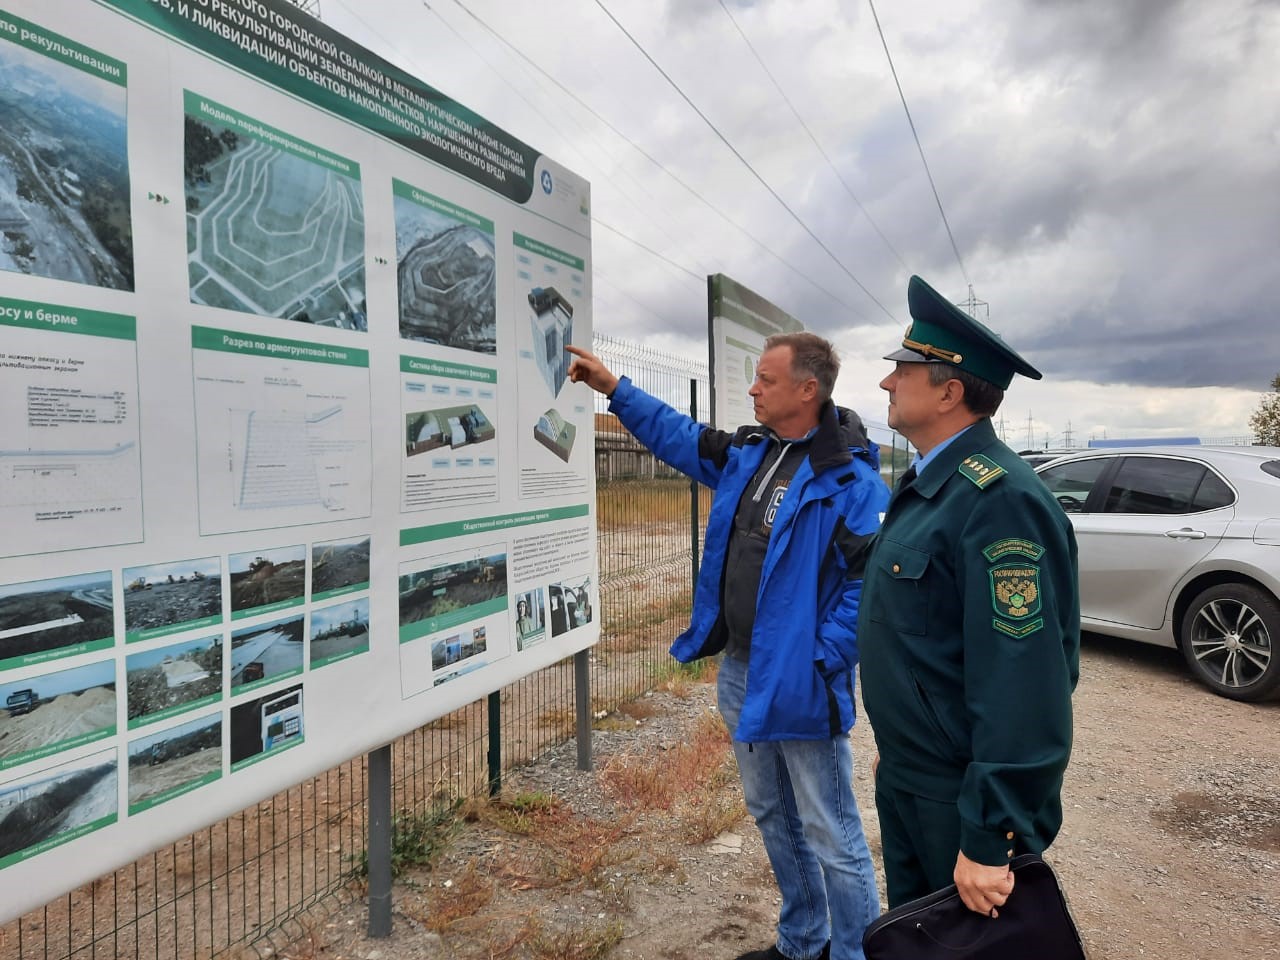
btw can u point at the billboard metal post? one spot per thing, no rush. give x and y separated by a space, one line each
379 840
582 697
495 743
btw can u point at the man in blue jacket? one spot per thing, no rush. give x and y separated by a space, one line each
798 501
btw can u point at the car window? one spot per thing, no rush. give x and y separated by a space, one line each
1071 482
1213 493
1154 485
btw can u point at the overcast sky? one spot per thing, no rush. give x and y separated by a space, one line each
1108 171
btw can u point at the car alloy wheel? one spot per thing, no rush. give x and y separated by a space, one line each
1229 635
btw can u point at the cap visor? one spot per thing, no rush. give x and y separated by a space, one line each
910 356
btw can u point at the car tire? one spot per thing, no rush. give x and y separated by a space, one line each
1230 638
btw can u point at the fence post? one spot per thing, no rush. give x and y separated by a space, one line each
693 492
495 743
380 842
582 697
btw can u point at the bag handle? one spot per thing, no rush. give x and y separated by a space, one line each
946 946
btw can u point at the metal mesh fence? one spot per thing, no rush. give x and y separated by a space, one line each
253 881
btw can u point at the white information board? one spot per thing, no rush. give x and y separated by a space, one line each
739 321
290 464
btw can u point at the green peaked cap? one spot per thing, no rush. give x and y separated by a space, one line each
941 332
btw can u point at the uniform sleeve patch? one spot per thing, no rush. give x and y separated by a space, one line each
1015 591
981 471
1012 546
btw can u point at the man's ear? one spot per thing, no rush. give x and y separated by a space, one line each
952 396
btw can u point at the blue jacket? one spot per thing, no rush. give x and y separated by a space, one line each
804 647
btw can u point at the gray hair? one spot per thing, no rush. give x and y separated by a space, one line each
811 356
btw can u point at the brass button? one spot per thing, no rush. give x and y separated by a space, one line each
896 568
1009 854
1009 835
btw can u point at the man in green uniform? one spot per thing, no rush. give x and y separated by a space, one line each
969 627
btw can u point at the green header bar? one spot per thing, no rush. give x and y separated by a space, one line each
174 792
58 653
58 840
48 316
442 368
57 47
454 618
49 749
150 633
202 108
732 301
440 205
340 591
444 531
256 345
548 251
259 757
275 42
267 608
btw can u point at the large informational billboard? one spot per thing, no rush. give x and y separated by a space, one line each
739 321
289 461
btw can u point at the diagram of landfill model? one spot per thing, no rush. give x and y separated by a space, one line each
552 319
554 433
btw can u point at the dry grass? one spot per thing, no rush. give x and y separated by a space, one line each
678 679
625 503
633 623
457 900
645 782
705 818
641 709
559 718
591 942
522 814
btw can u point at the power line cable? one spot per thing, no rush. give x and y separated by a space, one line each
568 140
649 250
532 106
743 160
657 163
955 249
813 139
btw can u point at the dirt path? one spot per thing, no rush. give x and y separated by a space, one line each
1171 846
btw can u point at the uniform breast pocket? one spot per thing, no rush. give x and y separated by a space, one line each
903 580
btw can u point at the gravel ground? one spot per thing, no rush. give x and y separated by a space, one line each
1170 849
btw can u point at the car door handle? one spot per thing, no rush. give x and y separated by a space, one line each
1186 533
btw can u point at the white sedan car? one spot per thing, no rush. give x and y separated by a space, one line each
1180 546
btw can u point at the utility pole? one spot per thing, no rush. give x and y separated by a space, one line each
1001 425
1066 436
1031 440
973 303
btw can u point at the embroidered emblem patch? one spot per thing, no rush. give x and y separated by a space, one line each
1015 590
981 471
1013 546
1017 629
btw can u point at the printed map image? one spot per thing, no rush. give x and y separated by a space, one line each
64 173
270 232
445 278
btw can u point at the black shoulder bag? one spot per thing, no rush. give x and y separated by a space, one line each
1034 923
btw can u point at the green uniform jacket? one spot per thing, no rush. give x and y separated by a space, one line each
970 639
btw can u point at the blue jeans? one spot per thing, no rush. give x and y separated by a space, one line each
801 795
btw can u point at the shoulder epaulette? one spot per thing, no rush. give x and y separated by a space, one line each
982 471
